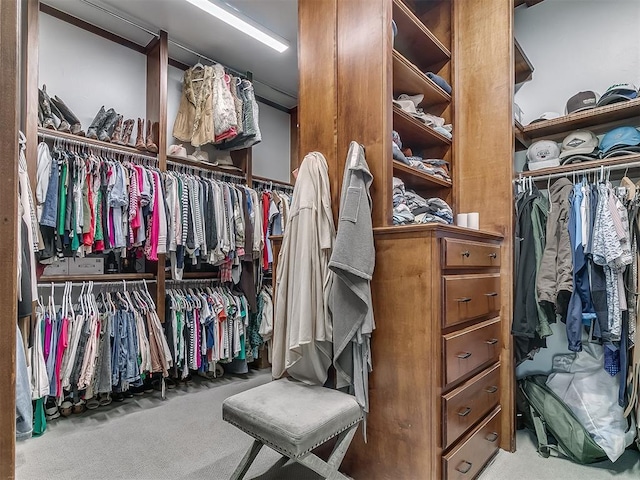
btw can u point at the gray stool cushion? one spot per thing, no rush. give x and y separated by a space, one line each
291 417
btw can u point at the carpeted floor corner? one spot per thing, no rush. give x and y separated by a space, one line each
184 437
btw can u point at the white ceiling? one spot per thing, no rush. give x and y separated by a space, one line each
275 74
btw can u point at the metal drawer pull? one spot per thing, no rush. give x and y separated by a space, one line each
493 255
463 300
465 412
464 467
492 294
492 341
466 253
492 389
464 355
492 437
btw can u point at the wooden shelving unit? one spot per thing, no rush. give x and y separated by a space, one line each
92 143
414 133
407 78
187 162
416 41
416 179
598 120
107 277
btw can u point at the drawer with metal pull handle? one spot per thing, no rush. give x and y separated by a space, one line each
467 297
466 350
466 459
469 254
468 403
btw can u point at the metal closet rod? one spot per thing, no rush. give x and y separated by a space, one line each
80 143
202 281
132 283
186 49
602 168
194 168
271 183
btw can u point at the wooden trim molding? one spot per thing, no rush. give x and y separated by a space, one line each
89 27
9 112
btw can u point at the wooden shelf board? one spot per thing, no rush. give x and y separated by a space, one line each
576 167
522 142
528 3
276 182
198 275
416 134
107 277
187 162
598 120
94 143
407 78
523 69
421 229
416 179
416 40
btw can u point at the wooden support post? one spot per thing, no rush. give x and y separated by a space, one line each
157 74
9 111
484 29
29 73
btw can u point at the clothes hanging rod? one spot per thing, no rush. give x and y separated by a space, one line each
80 143
192 280
193 168
551 176
272 182
186 49
59 284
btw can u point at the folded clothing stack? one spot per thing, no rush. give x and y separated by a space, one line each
409 104
409 207
434 166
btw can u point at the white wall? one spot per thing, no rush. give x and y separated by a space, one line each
87 71
576 45
270 157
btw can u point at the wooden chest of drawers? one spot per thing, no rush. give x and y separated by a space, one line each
435 386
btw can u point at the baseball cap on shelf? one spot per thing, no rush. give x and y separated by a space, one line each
546 116
582 101
580 142
620 92
543 154
621 137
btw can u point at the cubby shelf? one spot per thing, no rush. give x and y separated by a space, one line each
416 134
407 78
416 179
416 40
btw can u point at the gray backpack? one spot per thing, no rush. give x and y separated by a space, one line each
544 412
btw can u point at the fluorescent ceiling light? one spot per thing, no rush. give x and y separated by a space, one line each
245 25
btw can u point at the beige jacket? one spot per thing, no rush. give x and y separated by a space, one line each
302 331
194 122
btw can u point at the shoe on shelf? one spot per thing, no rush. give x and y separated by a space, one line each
66 408
117 396
150 145
105 132
96 124
45 105
93 403
104 399
63 125
74 122
127 129
140 144
116 137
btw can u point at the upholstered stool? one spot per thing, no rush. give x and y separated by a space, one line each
293 418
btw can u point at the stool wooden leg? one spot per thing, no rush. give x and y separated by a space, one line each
246 462
342 445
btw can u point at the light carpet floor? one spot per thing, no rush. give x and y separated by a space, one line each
184 437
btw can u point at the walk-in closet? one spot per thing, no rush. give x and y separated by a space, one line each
384 239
